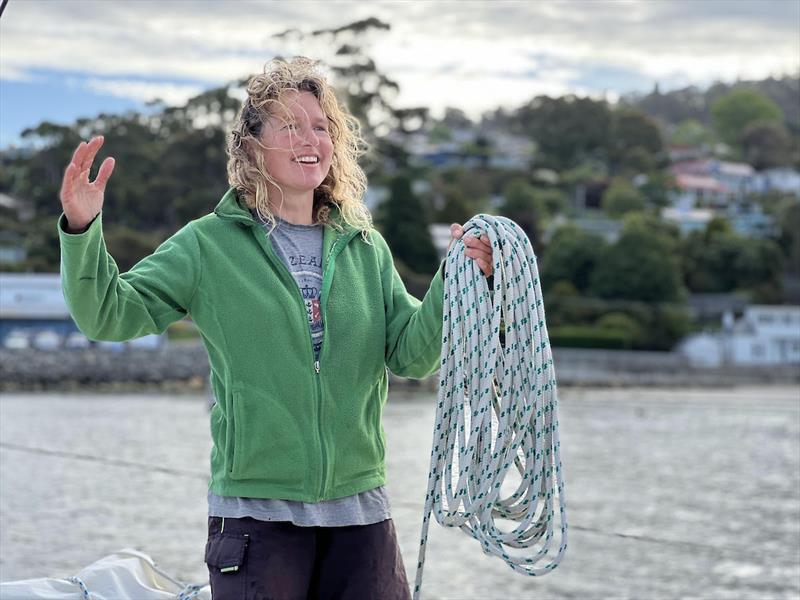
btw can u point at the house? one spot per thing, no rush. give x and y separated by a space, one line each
750 220
688 219
505 150
711 182
709 188
781 179
24 209
440 236
12 248
608 229
737 177
684 152
510 151
763 335
695 191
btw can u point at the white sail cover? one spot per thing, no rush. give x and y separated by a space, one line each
123 574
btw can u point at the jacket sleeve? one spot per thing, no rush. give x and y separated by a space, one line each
413 328
107 305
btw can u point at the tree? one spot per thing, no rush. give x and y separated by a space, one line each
571 256
567 130
789 238
669 232
128 246
521 205
405 227
465 193
621 198
553 200
639 266
635 141
635 161
691 132
719 260
766 144
657 188
457 206
739 108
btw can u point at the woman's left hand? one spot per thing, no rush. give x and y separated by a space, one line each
478 249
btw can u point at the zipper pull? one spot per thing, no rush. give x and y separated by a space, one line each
316 366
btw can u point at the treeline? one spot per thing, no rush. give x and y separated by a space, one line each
630 293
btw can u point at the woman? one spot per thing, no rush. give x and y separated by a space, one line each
301 311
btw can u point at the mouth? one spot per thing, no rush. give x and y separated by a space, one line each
309 159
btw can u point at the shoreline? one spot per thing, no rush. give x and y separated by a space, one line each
182 368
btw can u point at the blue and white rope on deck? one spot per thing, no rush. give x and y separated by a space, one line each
497 407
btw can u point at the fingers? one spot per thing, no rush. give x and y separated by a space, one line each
67 182
76 156
89 152
84 154
104 173
483 264
485 267
483 259
482 243
477 248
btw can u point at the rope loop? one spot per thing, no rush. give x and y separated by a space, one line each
496 411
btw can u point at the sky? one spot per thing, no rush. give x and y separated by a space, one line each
65 59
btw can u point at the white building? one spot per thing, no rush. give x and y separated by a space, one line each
33 312
688 219
440 236
737 177
764 335
782 180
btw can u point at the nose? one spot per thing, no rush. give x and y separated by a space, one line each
307 136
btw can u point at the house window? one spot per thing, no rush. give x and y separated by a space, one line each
757 350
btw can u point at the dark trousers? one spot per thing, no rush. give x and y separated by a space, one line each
276 560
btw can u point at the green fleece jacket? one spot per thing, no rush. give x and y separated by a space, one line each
284 426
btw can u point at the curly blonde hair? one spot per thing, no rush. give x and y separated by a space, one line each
345 184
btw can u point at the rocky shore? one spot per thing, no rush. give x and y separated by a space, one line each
183 367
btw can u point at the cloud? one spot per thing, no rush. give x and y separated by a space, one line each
144 91
9 73
441 53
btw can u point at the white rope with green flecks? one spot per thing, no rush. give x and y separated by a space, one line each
497 407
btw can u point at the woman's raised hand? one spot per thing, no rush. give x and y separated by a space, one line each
81 199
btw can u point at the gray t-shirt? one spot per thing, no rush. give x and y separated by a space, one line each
300 248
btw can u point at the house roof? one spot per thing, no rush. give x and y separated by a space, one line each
687 181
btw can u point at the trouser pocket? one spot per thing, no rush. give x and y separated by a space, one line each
226 555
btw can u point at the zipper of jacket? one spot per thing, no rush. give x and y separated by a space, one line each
292 283
329 264
327 277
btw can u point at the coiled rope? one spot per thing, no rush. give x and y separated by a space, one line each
497 407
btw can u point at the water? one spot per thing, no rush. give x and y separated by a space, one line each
670 493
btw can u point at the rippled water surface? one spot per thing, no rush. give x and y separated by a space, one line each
670 493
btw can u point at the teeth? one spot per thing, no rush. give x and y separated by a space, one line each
307 159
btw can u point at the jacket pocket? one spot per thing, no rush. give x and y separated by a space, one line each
269 438
377 412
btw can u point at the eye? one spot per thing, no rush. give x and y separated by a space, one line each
322 128
289 126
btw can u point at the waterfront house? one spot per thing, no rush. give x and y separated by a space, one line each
764 335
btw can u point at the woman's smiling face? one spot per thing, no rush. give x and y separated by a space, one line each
298 144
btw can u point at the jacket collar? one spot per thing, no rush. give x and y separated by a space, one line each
229 208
